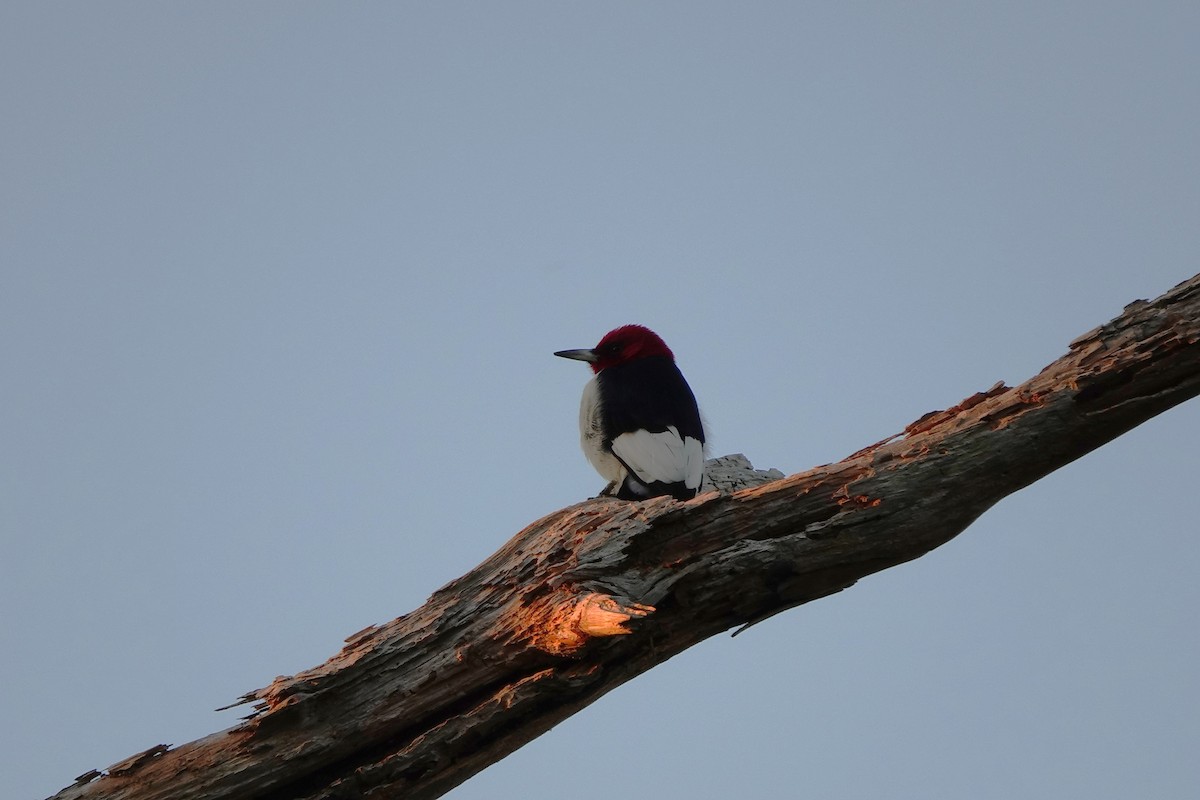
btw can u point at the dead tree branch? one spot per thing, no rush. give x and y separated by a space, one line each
592 595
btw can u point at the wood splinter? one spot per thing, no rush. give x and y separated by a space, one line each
564 622
602 615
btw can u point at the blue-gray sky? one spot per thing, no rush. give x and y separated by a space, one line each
280 284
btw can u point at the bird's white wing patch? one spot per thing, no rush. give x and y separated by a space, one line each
664 456
693 471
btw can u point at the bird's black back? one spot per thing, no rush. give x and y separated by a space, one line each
648 393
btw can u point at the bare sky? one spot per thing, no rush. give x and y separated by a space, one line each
280 283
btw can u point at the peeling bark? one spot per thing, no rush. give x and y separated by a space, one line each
595 594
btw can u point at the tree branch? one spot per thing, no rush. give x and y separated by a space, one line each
590 596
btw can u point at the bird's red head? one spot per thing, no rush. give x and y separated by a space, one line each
626 343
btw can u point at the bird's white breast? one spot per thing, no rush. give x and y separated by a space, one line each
591 435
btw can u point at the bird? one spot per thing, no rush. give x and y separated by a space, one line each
639 424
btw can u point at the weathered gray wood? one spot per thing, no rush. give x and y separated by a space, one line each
590 596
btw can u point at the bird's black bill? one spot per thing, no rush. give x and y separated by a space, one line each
579 355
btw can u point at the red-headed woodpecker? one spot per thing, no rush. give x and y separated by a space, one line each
638 421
